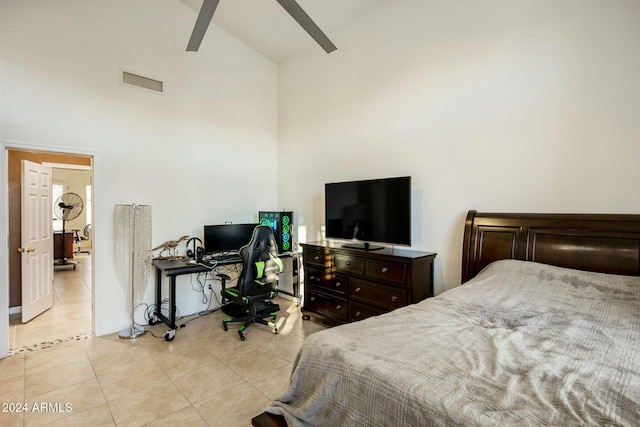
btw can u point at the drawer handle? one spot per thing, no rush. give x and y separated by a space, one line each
338 284
358 313
348 263
358 289
312 277
338 307
394 298
312 298
384 270
316 258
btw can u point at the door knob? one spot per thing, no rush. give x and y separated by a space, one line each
26 250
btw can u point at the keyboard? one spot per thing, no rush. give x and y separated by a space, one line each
225 257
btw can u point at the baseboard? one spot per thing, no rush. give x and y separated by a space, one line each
15 310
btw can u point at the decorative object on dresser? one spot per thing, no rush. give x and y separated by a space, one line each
345 285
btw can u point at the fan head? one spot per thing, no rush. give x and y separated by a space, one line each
68 206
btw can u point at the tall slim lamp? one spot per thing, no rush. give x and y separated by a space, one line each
133 257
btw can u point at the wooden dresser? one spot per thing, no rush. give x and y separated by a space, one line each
345 285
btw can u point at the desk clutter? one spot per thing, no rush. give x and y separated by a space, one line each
243 260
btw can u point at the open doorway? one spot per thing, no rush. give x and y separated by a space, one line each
72 312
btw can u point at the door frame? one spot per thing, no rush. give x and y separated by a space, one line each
4 230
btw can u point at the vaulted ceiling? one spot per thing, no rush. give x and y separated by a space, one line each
268 28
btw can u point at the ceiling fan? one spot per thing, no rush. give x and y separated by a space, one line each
291 6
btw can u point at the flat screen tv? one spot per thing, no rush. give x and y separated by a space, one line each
227 237
375 210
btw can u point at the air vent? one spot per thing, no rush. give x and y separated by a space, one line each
143 82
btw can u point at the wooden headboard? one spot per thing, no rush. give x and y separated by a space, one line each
605 243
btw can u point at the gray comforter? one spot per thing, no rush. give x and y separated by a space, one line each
521 344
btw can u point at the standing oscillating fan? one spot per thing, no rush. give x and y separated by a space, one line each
68 206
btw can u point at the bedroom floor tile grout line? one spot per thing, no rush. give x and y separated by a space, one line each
205 376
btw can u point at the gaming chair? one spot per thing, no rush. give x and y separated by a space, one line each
250 300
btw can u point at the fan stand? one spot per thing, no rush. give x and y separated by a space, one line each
64 262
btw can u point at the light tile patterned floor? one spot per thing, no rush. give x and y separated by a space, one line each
68 319
204 377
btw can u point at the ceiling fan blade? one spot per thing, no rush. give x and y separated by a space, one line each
307 24
202 23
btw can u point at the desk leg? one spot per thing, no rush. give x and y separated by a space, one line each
158 316
157 311
172 303
171 321
158 290
296 279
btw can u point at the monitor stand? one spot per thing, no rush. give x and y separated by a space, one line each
362 246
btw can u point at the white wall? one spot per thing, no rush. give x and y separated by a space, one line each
196 154
496 105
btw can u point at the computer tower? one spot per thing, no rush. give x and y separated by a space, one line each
282 225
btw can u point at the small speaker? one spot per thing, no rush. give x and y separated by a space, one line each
282 225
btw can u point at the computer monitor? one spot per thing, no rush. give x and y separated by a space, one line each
226 237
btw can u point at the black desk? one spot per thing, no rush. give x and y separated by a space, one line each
174 268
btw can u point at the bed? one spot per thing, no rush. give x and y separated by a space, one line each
543 331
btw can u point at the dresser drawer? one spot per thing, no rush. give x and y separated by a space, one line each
388 271
323 279
326 305
385 296
316 277
317 257
361 311
348 263
346 284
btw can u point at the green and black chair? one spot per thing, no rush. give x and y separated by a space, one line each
250 301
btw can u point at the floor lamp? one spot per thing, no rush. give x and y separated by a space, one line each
133 256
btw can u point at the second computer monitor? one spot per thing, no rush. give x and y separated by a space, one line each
227 237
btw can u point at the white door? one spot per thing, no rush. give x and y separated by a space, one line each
37 240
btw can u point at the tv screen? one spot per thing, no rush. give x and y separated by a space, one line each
227 237
376 210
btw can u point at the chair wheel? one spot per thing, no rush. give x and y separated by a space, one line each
169 335
225 326
276 331
242 337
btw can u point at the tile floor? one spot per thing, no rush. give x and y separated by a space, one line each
70 315
204 377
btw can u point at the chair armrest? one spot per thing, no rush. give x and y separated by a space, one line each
223 280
